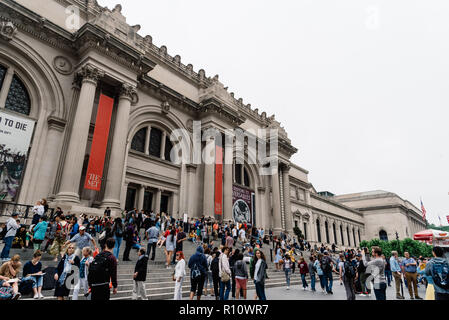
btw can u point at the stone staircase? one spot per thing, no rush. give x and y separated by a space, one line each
159 284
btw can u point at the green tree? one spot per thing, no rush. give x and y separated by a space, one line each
298 233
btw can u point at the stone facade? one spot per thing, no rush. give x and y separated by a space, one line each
64 69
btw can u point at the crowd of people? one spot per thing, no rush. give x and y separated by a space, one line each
228 255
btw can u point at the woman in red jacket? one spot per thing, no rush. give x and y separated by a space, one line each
303 270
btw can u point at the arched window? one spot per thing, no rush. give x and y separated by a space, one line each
326 226
318 231
18 99
138 142
349 236
335 233
2 75
155 142
241 175
168 147
383 235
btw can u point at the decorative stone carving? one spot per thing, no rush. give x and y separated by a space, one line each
177 59
128 91
90 73
7 30
163 50
189 125
148 40
62 65
165 107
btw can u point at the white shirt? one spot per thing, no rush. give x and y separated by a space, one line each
256 272
224 265
38 210
234 232
11 227
180 270
242 233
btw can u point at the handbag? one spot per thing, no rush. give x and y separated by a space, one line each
102 235
225 276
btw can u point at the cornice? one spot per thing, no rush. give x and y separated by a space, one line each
337 204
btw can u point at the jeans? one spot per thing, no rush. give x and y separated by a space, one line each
328 281
260 290
7 247
287 276
304 281
312 282
152 246
37 280
380 293
389 276
225 295
349 288
118 243
442 296
322 282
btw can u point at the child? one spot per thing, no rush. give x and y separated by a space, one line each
140 276
84 267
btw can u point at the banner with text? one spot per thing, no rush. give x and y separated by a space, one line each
242 204
15 138
218 180
95 168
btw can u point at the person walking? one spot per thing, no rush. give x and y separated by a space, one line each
128 236
102 271
376 268
170 245
312 271
82 240
153 235
11 229
319 271
140 276
438 269
225 274
198 269
84 267
288 267
260 274
180 273
303 271
327 267
388 273
64 271
117 230
410 268
397 273
241 276
348 273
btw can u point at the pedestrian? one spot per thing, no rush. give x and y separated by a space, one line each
32 270
438 269
153 235
409 266
170 245
260 274
397 273
180 238
83 272
102 271
232 260
11 229
208 280
278 257
241 276
57 247
106 233
64 271
225 274
303 270
140 276
288 266
312 272
348 273
180 273
38 211
118 231
376 268
215 268
82 240
388 273
198 269
128 236
327 267
39 231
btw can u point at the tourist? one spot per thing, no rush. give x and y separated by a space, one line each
241 276
140 276
10 270
320 273
32 270
82 240
180 238
117 230
376 268
11 229
20 238
229 241
208 280
83 273
388 273
438 269
288 266
38 211
348 273
278 257
57 247
39 230
225 274
327 267
260 274
397 273
215 268
128 236
102 271
170 244
232 260
312 271
152 234
198 269
303 271
64 272
180 273
409 266
106 233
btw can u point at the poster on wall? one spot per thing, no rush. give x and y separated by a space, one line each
95 168
15 139
242 205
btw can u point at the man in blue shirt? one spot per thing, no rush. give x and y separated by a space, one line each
396 271
410 268
153 236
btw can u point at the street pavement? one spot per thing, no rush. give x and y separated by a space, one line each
296 292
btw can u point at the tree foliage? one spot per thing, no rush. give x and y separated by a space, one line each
415 248
298 233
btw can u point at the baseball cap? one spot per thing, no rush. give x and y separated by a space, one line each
82 228
14 214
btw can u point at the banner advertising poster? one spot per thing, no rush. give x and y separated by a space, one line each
218 181
242 207
95 168
15 138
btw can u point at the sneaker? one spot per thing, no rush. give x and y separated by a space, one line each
288 288
418 298
41 296
400 297
36 296
17 296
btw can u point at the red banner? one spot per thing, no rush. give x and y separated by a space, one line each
218 180
447 217
99 144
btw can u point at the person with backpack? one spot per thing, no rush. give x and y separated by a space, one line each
198 270
102 271
348 273
327 267
215 269
9 233
118 231
320 273
438 269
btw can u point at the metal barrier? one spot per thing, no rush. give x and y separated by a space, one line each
24 211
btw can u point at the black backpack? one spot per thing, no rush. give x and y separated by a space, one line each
119 231
326 265
49 278
214 267
349 270
99 269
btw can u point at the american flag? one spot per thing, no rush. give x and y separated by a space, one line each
423 211
447 217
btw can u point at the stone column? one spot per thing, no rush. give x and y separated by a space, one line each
164 138
175 205
191 200
118 149
141 197
157 207
73 164
209 179
123 195
147 141
287 203
277 223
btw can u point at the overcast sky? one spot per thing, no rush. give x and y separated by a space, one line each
362 87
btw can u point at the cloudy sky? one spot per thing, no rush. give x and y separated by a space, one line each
362 87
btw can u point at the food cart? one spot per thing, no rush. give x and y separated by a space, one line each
435 238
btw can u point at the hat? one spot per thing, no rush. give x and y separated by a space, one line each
358 255
326 252
14 214
82 228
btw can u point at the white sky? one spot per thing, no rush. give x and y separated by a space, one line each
361 87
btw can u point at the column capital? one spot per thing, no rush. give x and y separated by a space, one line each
128 91
90 73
